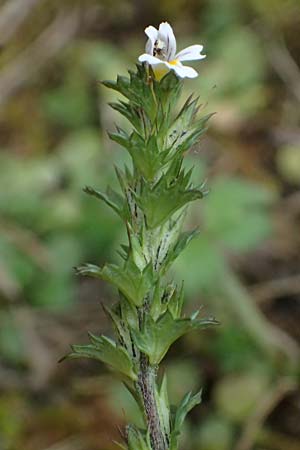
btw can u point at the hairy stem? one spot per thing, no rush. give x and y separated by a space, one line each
146 386
146 383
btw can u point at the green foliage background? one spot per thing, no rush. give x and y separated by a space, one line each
54 119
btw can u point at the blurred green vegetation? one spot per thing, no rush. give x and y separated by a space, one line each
53 121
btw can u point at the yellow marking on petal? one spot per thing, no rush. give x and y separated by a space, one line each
160 72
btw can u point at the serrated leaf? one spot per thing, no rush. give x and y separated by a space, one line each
136 249
120 327
129 313
169 235
137 440
160 300
127 183
176 302
182 242
186 405
146 155
111 198
190 138
182 122
167 90
186 129
155 306
163 407
157 336
107 351
132 282
121 137
128 111
162 200
121 85
136 89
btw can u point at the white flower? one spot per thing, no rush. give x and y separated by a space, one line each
161 53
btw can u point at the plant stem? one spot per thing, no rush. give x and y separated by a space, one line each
146 383
146 386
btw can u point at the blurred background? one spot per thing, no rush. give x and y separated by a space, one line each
244 267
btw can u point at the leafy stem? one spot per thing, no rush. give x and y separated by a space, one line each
153 198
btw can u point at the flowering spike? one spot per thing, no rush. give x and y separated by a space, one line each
152 201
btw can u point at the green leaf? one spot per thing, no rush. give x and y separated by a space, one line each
132 282
111 198
158 245
121 85
156 337
182 242
137 89
120 326
156 305
129 313
186 129
137 440
176 302
121 137
145 153
136 249
186 405
188 139
160 300
163 407
162 200
106 351
167 91
127 183
182 122
136 115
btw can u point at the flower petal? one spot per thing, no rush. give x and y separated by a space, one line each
152 60
191 53
152 34
159 67
183 71
166 34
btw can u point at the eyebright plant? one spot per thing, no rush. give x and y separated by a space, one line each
153 199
